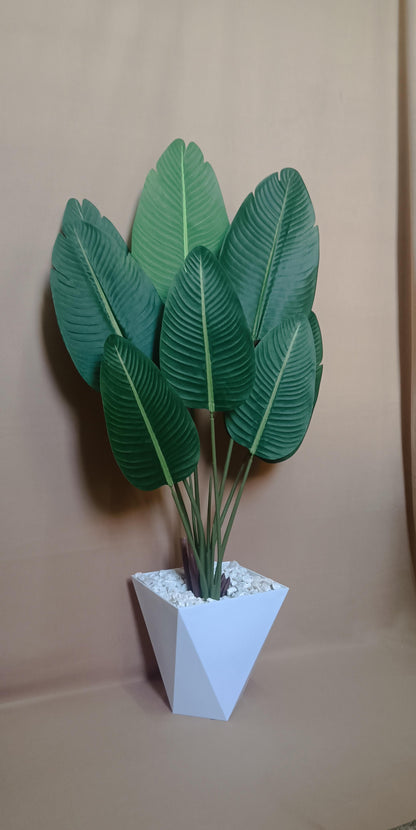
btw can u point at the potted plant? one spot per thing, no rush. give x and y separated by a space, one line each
200 315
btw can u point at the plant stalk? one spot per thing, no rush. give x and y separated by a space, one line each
180 506
217 514
231 493
196 515
226 468
237 501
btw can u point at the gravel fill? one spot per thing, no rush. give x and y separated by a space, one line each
171 586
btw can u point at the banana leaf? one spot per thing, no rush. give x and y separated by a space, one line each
98 289
152 435
206 352
273 420
181 207
271 252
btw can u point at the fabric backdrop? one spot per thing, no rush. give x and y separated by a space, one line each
92 93
406 250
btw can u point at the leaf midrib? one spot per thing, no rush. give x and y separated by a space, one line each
152 434
268 409
208 363
184 207
261 306
99 288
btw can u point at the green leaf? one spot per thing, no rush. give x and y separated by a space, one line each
318 379
180 207
274 418
206 352
317 339
152 435
75 214
271 252
98 289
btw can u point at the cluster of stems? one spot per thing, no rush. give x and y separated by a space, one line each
208 536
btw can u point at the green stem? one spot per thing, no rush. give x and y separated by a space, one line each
198 502
231 493
194 523
230 496
196 515
210 534
196 489
209 528
226 507
217 515
180 506
226 468
237 501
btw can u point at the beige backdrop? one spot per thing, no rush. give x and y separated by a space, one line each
92 93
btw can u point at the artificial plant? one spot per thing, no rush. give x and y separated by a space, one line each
200 314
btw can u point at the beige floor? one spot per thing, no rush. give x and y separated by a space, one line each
324 740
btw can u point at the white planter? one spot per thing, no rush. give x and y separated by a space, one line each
206 652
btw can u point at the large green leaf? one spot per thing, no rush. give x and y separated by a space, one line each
273 420
99 289
271 252
152 435
75 214
206 352
180 207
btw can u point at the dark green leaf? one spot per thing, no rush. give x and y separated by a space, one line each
87 212
274 418
271 252
98 289
152 435
206 352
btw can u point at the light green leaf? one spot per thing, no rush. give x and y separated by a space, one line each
180 207
206 352
153 437
98 289
271 252
274 418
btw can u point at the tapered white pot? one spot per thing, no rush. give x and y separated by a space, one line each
206 652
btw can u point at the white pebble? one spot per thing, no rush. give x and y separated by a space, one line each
171 586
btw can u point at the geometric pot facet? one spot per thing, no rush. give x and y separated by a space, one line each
206 652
